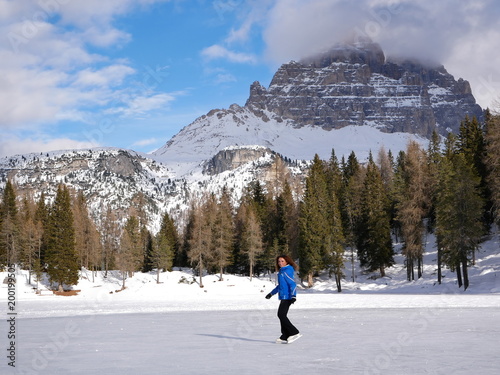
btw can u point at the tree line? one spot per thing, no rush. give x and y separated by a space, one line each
345 209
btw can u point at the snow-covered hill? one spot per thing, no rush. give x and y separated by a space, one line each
240 126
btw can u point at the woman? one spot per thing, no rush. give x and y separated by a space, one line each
287 292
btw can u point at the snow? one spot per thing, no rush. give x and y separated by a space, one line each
375 326
211 133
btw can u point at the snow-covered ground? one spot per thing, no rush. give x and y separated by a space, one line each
375 326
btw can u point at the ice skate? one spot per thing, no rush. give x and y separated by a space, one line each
293 338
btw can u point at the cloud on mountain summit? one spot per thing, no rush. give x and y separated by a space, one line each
464 36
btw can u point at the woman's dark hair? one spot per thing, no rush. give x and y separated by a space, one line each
288 260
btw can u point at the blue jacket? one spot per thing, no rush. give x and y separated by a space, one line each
287 287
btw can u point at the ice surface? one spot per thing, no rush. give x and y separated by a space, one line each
375 326
336 341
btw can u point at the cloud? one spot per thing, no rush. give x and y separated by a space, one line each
461 35
225 78
145 142
108 76
217 51
13 145
142 104
49 70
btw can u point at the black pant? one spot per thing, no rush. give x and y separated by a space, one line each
287 328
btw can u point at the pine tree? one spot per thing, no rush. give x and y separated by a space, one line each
165 244
471 143
350 203
110 240
313 222
458 213
288 211
334 242
264 208
434 162
251 245
223 236
31 236
274 233
434 158
42 217
199 240
61 256
87 237
130 257
492 161
9 227
374 233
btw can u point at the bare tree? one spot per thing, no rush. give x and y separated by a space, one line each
200 240
252 238
412 204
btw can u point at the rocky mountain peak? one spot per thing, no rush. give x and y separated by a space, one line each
354 84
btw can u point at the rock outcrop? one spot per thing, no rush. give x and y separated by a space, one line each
232 157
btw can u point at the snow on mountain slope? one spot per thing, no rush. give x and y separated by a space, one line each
240 126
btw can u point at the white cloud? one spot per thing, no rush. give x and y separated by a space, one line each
16 146
142 104
219 52
108 76
48 71
145 142
462 35
225 78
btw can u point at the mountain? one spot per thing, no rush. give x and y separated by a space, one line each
355 85
125 180
349 98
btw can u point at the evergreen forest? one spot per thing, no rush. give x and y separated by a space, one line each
347 209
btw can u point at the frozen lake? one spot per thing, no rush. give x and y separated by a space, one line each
436 340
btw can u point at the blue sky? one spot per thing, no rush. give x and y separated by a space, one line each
132 73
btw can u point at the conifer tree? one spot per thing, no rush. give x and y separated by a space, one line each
471 143
434 156
110 240
130 257
386 167
434 162
61 256
412 197
9 227
334 242
314 222
147 241
31 236
492 161
374 234
42 217
275 240
288 211
164 246
264 208
239 263
350 203
87 238
251 245
458 213
199 240
223 236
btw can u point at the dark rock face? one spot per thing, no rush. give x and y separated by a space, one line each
355 85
